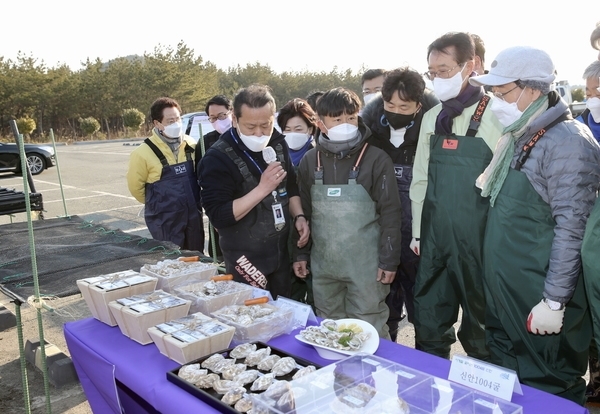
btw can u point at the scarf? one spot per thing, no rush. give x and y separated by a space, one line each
173 143
296 155
455 106
492 179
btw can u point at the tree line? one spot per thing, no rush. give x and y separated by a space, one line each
64 99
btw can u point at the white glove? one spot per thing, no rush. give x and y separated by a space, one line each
542 320
415 246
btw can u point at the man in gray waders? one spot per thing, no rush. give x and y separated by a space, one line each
542 185
455 145
161 175
251 198
349 195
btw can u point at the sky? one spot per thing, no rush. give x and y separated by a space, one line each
312 35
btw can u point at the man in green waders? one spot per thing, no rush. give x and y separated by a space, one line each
350 198
542 185
455 145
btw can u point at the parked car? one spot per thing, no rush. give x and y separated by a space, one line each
39 157
190 121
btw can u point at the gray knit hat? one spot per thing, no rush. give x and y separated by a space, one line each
518 63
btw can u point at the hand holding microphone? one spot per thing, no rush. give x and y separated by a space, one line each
274 174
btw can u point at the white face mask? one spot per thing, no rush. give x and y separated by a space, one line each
254 143
173 130
342 132
507 113
222 125
296 140
446 89
368 98
593 104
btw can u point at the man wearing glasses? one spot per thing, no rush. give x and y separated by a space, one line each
161 176
455 145
218 109
542 185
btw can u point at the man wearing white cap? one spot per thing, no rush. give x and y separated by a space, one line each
542 185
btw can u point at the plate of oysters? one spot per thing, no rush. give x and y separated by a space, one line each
337 339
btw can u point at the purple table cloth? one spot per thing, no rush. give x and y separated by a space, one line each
102 354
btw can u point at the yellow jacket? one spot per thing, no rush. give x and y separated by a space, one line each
145 167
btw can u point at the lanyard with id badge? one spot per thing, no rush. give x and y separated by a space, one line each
270 156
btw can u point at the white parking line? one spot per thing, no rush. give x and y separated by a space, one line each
71 199
114 195
95 152
87 213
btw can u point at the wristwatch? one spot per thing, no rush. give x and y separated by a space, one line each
553 305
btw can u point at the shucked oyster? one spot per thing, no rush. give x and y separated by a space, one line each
277 389
222 386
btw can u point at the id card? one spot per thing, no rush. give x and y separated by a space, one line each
278 216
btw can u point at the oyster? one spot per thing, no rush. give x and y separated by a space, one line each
192 373
330 334
233 370
244 404
207 381
246 377
284 366
255 357
222 386
210 362
263 382
242 351
304 371
233 395
277 389
219 366
266 364
287 402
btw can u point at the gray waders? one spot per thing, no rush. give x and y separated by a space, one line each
344 255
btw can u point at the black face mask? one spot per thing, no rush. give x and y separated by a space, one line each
398 121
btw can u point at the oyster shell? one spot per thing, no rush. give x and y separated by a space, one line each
233 395
233 370
304 371
242 351
207 381
263 382
284 366
244 404
266 364
246 377
210 362
255 357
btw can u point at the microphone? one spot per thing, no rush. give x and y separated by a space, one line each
269 155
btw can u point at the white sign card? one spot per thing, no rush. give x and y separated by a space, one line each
259 293
302 311
485 377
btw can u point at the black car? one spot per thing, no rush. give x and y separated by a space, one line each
39 157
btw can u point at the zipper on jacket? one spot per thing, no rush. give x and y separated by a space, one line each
390 244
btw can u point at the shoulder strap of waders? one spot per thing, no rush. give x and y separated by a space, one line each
159 154
526 150
188 152
224 147
353 173
477 115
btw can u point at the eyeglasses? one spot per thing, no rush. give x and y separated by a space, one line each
221 116
444 74
502 95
